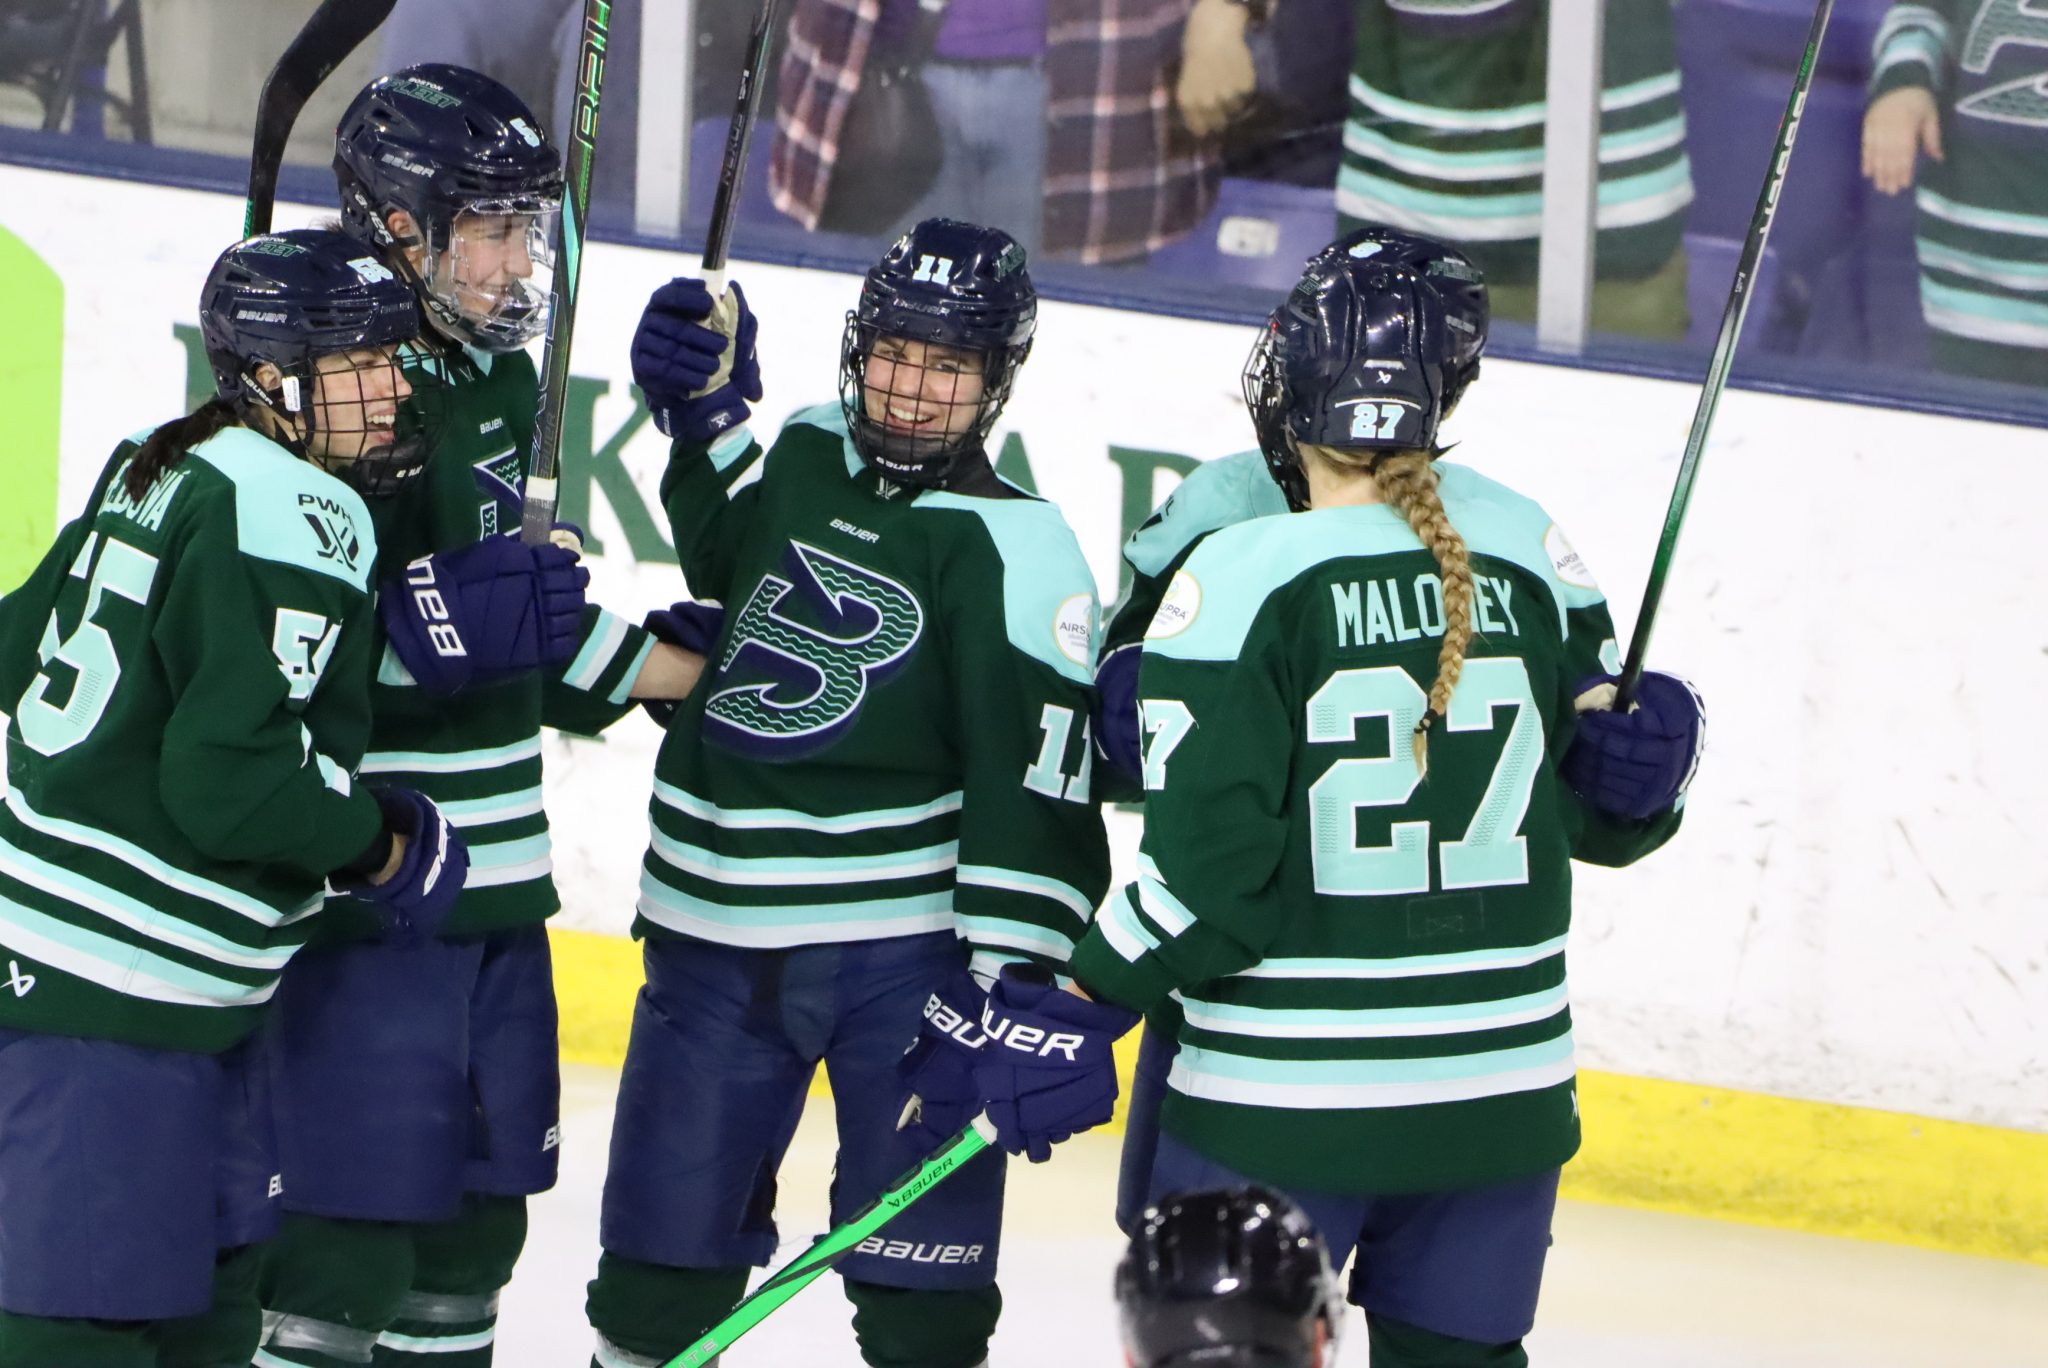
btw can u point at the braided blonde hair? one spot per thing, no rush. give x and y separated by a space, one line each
1408 480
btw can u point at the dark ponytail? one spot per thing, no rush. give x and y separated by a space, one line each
167 446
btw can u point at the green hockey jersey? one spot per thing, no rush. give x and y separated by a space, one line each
478 754
188 678
893 738
1982 233
1369 964
1445 136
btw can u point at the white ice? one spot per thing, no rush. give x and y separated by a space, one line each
1623 1289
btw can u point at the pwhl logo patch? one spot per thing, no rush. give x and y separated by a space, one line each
334 528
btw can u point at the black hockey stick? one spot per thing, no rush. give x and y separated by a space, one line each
834 1245
1723 357
336 29
542 493
739 137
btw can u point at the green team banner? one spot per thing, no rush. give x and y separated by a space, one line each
31 398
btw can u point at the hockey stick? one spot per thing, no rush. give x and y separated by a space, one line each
739 136
538 518
336 29
1723 357
833 1246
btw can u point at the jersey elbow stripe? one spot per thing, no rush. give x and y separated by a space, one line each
622 693
607 635
1032 940
120 967
1125 931
450 762
1017 881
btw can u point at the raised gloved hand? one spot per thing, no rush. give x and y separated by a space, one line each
693 358
416 899
694 627
481 612
1046 1072
937 1070
1635 764
1119 733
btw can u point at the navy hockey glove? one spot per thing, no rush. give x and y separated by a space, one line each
937 1071
481 612
417 898
1635 764
1119 733
697 373
694 627
1046 1072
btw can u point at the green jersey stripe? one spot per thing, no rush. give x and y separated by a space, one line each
118 966
496 864
1015 935
2009 272
1531 115
624 689
1159 903
87 896
598 649
731 447
1508 163
1293 1023
1972 216
504 807
1219 1076
1986 318
1017 881
780 928
796 871
1408 966
1624 202
191 885
1125 931
449 762
762 819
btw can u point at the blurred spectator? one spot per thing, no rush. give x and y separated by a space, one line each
1446 138
517 42
1053 119
1274 93
1966 83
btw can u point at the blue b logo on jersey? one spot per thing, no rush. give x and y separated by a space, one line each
809 646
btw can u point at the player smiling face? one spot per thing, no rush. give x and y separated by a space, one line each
922 391
356 395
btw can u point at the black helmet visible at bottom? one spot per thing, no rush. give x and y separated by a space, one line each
1227 1279
288 299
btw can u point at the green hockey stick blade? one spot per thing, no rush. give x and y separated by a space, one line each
835 1245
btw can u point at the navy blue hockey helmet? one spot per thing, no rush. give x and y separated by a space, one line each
945 295
1459 284
1358 356
471 164
1227 1279
289 299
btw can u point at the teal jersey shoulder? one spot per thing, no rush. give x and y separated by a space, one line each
1215 494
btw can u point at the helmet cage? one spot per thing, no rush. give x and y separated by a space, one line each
908 458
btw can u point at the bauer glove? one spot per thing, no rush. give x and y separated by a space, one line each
1635 764
1046 1072
937 1071
479 613
415 901
693 358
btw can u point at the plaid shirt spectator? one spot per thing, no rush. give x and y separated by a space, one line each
1123 176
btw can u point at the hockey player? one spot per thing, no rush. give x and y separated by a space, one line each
418 1087
187 672
1378 734
881 791
1227 1278
1232 488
